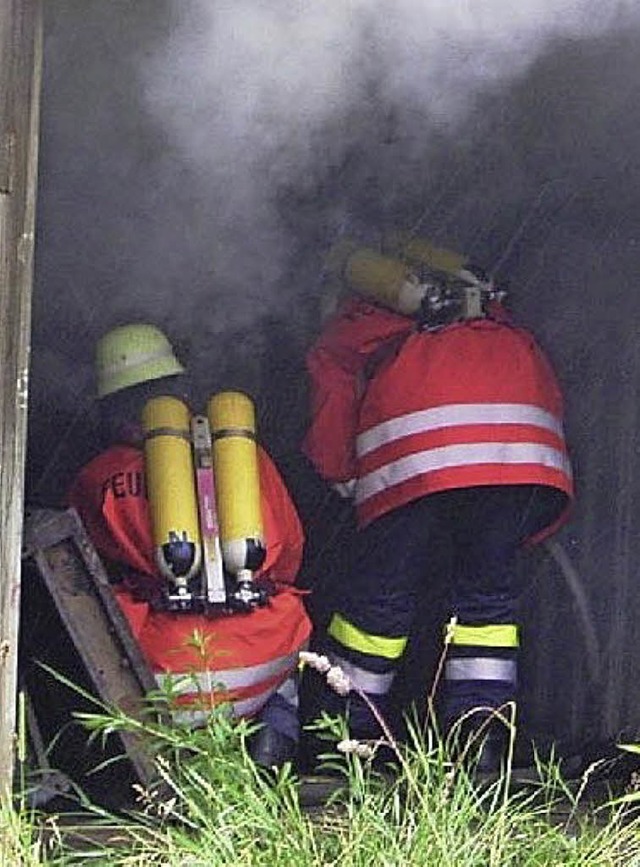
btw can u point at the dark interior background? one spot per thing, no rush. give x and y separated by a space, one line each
199 158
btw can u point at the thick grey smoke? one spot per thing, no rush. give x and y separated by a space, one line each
199 157
269 105
236 80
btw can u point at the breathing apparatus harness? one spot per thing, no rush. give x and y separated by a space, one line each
431 285
450 298
204 501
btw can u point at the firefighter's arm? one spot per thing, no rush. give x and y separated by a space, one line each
86 496
117 521
337 365
282 528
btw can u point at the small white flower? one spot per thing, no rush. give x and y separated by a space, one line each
315 661
357 748
338 680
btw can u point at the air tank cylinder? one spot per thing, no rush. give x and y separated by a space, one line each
420 251
170 476
384 280
235 462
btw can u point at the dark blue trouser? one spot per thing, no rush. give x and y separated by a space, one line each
478 530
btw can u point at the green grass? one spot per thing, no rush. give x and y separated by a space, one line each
211 806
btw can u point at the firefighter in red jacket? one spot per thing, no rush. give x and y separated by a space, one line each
443 420
249 659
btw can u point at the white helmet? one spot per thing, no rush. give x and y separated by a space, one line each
131 354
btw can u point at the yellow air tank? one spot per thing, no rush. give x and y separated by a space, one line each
421 251
171 489
235 463
384 280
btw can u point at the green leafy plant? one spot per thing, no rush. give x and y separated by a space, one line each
210 805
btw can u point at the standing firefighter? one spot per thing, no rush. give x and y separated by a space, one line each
139 502
443 420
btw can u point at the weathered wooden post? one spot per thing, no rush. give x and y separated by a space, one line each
20 75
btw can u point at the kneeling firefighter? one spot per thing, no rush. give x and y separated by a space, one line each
199 538
444 422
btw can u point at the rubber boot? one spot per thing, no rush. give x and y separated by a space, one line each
480 745
271 749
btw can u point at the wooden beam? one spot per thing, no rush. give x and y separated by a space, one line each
20 77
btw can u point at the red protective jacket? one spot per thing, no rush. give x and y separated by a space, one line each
246 656
407 413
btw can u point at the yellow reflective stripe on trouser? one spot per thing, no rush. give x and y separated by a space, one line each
352 637
492 635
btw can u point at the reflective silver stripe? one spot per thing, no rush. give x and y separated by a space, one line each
448 457
193 718
232 678
249 706
452 415
243 707
367 681
482 668
288 690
